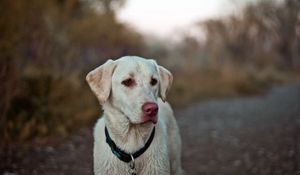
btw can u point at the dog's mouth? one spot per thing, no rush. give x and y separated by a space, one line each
144 120
152 120
147 119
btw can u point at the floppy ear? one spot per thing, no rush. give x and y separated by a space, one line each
99 80
166 79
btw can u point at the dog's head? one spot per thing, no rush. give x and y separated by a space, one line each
132 85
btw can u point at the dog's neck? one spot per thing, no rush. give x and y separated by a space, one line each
129 137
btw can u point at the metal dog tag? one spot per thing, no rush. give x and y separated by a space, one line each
132 170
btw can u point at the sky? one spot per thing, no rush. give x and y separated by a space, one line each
165 17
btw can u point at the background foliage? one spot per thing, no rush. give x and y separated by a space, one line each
47 47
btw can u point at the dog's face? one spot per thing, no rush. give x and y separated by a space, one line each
132 85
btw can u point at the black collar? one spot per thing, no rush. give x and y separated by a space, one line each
122 155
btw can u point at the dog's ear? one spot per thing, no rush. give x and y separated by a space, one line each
166 79
99 80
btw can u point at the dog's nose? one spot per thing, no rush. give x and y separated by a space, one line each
150 109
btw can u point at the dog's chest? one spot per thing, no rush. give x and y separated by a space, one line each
144 166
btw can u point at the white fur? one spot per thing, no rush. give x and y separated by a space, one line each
123 118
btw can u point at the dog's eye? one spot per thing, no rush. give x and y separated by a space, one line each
153 81
128 82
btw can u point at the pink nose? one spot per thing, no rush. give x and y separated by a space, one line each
150 109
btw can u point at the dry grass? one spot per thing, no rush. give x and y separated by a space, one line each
49 106
228 82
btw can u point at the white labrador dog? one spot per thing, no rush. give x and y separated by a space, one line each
138 133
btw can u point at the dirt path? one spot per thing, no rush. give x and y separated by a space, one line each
258 135
252 135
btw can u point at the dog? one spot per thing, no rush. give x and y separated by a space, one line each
137 133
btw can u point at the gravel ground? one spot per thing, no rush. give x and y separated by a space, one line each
252 135
242 136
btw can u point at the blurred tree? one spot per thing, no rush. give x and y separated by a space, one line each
46 49
265 34
108 6
288 29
